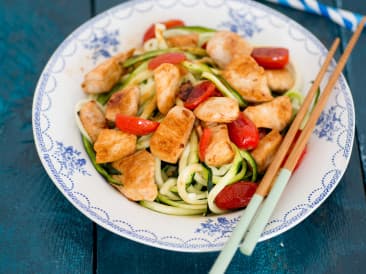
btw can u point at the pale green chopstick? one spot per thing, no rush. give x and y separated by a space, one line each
279 185
228 251
253 235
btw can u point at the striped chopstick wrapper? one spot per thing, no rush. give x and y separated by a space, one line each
345 18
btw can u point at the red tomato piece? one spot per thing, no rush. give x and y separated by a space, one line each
301 158
150 32
199 94
204 142
243 132
271 58
172 23
170 57
135 125
235 196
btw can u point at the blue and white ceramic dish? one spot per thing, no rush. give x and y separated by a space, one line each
59 145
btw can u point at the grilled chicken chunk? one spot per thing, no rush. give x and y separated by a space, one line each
186 40
168 141
274 115
279 80
102 78
137 176
167 79
92 118
266 149
219 150
123 102
248 78
113 145
226 45
218 109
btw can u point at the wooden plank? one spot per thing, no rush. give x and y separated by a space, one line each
356 76
40 231
331 240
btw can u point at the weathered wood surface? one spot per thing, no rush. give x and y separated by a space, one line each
41 232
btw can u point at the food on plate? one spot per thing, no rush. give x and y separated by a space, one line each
188 123
275 114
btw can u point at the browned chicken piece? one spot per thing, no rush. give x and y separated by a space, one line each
168 141
274 115
186 40
123 102
113 144
102 78
218 109
167 79
279 80
226 45
219 150
265 151
248 78
92 118
137 176
123 56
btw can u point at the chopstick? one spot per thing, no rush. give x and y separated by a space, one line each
263 216
231 245
279 185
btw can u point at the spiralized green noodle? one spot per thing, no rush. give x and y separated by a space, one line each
165 189
188 187
186 177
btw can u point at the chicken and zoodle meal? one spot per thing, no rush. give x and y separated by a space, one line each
188 123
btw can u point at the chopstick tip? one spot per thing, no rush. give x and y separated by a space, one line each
247 250
363 20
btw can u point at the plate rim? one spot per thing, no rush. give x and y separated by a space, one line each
169 246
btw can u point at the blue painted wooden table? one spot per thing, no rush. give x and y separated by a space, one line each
41 232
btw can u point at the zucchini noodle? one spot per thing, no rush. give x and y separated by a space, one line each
158 177
171 210
184 185
183 161
143 142
147 90
185 178
151 44
148 108
165 189
226 180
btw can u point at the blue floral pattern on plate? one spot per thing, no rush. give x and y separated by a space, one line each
328 124
66 167
69 159
241 22
104 44
221 226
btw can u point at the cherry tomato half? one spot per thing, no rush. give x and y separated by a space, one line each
235 196
135 125
170 57
271 58
243 132
150 32
199 93
204 142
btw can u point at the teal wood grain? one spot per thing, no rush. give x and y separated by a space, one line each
356 76
40 231
331 240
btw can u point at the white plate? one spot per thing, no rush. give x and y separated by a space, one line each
62 154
